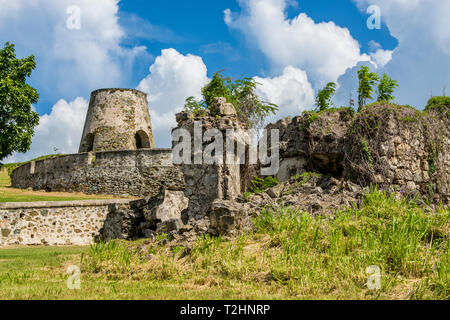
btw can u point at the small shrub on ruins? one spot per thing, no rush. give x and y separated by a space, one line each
240 93
386 88
247 194
259 185
367 80
311 116
367 153
323 98
193 105
305 177
349 110
412 118
439 104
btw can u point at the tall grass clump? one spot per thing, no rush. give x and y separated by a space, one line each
396 236
292 254
114 256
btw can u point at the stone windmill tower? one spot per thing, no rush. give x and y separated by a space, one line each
117 119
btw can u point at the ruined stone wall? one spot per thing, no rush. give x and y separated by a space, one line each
117 119
394 147
207 183
312 143
400 148
55 223
132 172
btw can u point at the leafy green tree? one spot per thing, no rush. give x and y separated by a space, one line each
17 119
323 98
367 80
386 88
241 93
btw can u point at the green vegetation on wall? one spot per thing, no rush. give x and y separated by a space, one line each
440 104
240 93
259 185
323 98
312 116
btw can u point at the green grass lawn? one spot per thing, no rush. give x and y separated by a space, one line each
5 180
34 273
9 194
290 255
41 273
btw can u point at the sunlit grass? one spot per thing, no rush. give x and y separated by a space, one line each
290 255
5 180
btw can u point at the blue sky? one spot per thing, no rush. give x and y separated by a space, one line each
169 49
198 25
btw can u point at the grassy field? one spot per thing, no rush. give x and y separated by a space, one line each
290 255
9 194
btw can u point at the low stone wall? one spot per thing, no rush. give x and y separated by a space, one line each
55 223
132 172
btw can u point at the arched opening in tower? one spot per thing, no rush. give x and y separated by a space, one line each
142 140
89 142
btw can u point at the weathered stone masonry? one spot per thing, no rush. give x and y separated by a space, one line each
394 147
55 223
131 172
117 119
210 186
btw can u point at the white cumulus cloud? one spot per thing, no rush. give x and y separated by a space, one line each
173 77
60 129
421 62
291 91
379 56
70 61
420 21
324 50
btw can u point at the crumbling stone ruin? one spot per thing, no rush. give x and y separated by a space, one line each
317 167
117 153
117 119
328 160
207 183
397 147
207 189
394 147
